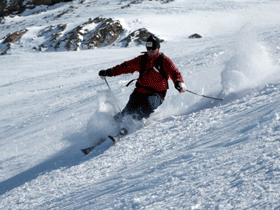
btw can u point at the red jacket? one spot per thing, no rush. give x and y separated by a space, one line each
153 79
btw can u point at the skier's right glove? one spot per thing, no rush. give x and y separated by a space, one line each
105 73
102 74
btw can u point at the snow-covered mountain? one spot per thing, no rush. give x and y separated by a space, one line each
193 152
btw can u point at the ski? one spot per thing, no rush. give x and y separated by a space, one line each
89 149
116 138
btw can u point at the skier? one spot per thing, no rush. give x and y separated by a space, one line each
154 71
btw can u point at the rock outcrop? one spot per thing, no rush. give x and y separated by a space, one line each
95 33
195 36
15 7
9 40
140 1
106 33
92 34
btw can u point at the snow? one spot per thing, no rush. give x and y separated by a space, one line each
193 153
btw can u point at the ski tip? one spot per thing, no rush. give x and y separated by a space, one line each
112 138
85 151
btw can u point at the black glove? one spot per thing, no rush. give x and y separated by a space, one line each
105 73
181 87
102 73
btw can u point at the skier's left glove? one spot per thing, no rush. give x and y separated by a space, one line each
180 86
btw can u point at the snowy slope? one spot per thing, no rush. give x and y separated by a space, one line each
193 153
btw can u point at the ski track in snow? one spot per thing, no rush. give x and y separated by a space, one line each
193 153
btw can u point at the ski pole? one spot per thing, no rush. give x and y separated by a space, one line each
112 93
219 99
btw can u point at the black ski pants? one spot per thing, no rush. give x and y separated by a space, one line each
140 106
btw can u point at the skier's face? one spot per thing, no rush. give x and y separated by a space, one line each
152 53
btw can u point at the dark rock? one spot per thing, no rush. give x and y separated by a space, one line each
11 39
52 34
140 1
107 32
97 20
14 37
15 7
195 36
166 1
104 33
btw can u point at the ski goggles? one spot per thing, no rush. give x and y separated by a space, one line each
150 46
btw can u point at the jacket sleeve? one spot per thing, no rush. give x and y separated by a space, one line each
127 67
172 70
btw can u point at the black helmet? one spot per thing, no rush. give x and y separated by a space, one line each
152 43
